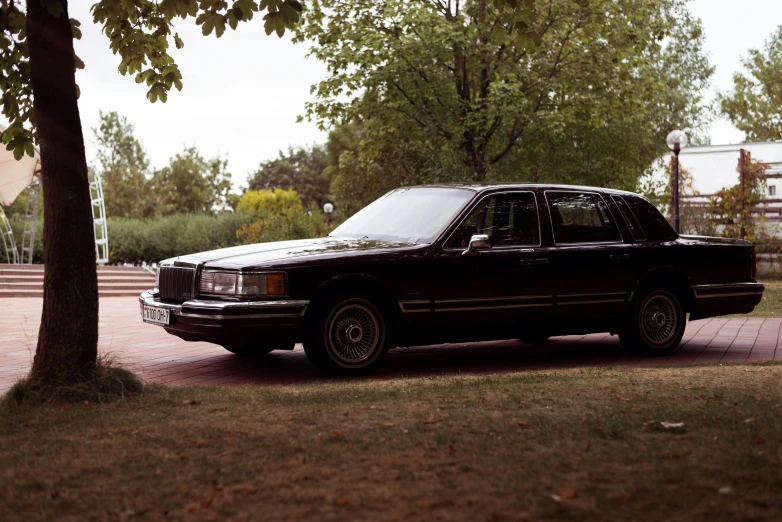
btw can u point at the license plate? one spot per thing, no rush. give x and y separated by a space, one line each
155 315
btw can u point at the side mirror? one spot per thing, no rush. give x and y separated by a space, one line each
477 242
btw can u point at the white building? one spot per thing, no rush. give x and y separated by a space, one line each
713 167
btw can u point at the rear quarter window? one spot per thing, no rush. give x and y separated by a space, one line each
653 223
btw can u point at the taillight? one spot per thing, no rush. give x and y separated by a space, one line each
754 263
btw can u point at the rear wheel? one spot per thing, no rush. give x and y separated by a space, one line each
348 335
655 323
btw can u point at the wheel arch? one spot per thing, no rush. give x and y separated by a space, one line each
671 277
360 283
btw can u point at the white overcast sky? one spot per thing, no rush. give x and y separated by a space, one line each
243 92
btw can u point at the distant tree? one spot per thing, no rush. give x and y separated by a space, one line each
123 166
191 184
755 104
299 169
40 100
571 90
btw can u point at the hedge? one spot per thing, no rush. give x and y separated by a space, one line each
136 241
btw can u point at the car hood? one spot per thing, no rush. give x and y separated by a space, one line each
295 252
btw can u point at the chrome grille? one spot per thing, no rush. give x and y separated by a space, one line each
176 283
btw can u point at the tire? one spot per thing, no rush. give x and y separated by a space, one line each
246 350
655 323
348 336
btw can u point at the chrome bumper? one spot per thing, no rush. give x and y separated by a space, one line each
227 310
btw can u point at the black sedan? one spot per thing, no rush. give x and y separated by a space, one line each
450 263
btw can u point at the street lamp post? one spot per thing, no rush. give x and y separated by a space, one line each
676 141
328 208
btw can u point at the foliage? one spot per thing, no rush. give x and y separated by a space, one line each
135 240
456 92
280 227
139 31
190 183
123 166
732 208
275 201
755 104
299 169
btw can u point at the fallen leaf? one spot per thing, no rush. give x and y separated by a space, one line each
342 501
568 494
336 434
622 399
523 425
434 421
66 406
726 490
191 509
451 450
751 419
760 441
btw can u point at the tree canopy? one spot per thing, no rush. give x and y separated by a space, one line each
38 84
140 32
574 90
298 169
188 184
755 104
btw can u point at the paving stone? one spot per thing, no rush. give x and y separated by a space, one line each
159 357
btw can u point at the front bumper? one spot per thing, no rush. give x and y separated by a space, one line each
224 322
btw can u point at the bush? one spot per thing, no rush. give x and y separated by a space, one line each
279 202
135 241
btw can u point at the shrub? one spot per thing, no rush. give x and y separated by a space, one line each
136 241
279 202
150 241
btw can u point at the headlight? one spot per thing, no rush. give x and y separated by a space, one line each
239 284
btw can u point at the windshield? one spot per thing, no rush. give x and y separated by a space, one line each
413 215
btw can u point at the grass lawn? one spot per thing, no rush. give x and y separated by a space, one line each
584 444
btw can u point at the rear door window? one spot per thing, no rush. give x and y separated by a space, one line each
629 217
654 225
580 217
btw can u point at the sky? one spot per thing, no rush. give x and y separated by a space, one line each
243 92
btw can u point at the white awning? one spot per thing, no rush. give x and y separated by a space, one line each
15 175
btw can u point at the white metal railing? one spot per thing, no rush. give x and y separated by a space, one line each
11 253
99 219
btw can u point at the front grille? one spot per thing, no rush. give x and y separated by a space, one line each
176 283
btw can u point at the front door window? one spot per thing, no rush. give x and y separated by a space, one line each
508 219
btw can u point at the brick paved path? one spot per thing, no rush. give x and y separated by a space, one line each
159 357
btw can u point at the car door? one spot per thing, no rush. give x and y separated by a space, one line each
496 289
595 268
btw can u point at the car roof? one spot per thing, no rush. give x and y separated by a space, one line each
484 187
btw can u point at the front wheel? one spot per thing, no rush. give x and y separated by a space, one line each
348 335
655 323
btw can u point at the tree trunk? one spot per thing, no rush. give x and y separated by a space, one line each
68 337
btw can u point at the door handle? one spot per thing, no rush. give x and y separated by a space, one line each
534 262
619 258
